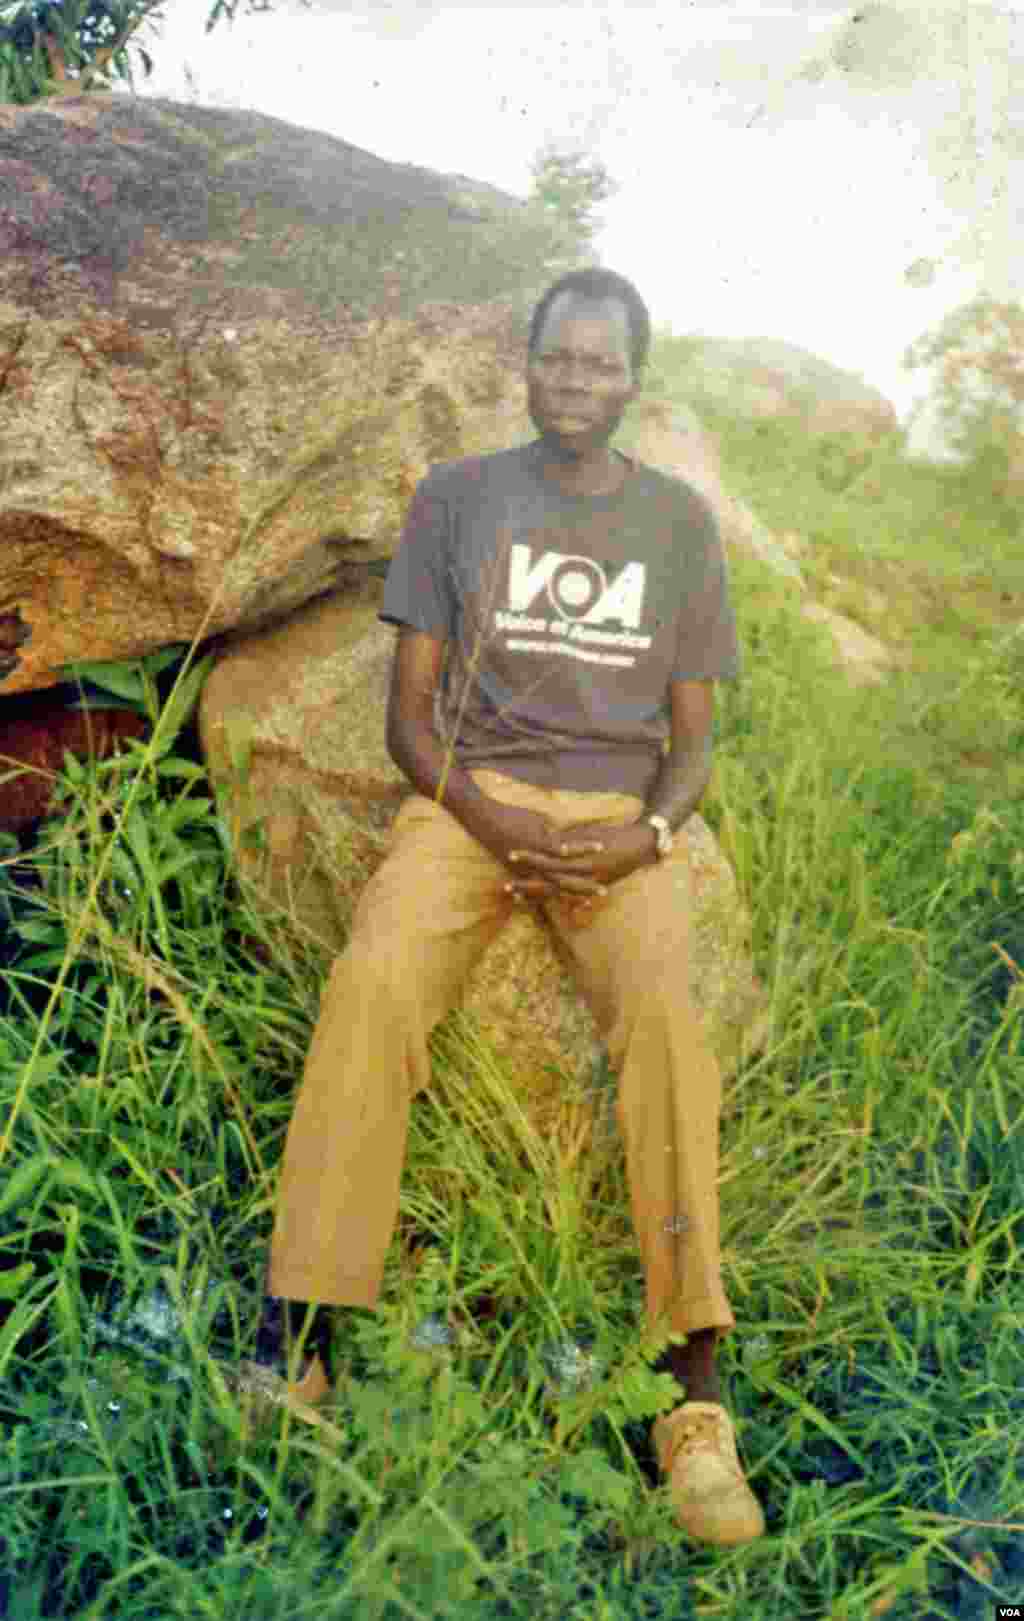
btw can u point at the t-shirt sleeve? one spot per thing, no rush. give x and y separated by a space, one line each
417 589
708 647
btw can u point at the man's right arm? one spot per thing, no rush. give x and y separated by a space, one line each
411 741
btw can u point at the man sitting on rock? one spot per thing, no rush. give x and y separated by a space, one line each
583 603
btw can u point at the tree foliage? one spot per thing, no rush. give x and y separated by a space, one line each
978 353
66 47
569 186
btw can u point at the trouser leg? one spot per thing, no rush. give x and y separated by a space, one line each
631 961
421 924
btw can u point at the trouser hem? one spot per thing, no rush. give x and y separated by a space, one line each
295 1286
705 1311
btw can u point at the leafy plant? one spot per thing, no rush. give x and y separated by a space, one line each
67 47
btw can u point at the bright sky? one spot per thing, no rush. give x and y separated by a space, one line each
780 167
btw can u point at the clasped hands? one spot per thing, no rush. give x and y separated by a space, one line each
592 855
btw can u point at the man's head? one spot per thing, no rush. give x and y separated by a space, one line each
587 348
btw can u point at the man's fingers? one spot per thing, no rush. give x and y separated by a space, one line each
548 886
567 851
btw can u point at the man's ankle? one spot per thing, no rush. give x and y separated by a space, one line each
693 1366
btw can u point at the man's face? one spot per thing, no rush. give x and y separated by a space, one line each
580 378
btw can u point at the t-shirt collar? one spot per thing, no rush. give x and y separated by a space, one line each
534 462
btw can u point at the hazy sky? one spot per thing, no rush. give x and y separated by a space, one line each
781 167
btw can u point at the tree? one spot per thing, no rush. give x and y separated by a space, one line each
66 47
568 187
978 391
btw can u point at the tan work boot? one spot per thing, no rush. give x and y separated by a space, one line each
696 1449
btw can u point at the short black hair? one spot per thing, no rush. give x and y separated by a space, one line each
592 285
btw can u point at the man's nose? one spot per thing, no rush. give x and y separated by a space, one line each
571 373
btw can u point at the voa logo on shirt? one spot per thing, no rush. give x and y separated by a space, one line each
577 589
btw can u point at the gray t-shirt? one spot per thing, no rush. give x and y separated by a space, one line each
566 617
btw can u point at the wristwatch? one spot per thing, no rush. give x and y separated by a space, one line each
664 832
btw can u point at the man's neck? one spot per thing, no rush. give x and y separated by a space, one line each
599 474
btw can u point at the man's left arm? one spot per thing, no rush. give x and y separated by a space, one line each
686 768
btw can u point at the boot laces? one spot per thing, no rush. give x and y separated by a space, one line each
701 1431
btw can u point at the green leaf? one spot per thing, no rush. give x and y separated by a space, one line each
240 742
102 701
136 833
122 867
123 679
23 1318
43 959
14 1278
182 701
174 869
73 767
589 1474
23 1180
37 929
161 660
114 763
803 1410
195 810
72 1173
186 770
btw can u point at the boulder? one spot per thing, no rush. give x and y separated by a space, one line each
229 348
865 659
292 728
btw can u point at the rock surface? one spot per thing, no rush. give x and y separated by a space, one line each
228 350
866 660
292 728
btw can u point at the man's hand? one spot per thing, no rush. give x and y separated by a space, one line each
530 847
619 851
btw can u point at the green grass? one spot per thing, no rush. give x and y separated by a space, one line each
152 1030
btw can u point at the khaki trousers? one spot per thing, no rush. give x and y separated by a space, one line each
421 924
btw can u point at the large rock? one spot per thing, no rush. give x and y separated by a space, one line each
228 350
292 727
865 660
